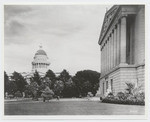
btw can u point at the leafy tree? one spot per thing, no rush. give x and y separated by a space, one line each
6 82
64 76
9 86
28 91
87 81
34 89
58 87
95 87
37 78
19 81
50 75
87 87
69 89
12 87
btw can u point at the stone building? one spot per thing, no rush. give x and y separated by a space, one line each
122 43
40 62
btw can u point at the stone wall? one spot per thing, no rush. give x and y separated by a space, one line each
140 37
141 76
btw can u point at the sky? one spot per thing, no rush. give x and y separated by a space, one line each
68 33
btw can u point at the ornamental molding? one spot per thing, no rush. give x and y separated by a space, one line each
113 17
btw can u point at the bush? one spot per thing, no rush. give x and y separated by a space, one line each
132 96
89 94
123 98
18 94
110 95
10 96
127 101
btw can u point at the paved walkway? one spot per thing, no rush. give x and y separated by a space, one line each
61 99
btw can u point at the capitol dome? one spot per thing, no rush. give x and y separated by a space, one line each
40 52
40 62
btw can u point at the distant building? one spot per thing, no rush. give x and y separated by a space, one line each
40 62
122 42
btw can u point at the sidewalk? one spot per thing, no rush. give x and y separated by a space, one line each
54 99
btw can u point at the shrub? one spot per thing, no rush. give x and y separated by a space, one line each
89 94
125 98
18 94
10 96
110 93
121 96
127 101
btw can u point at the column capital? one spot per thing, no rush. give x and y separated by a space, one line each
124 15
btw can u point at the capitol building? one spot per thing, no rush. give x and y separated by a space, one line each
40 62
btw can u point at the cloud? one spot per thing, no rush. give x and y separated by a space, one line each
14 28
15 10
55 20
69 35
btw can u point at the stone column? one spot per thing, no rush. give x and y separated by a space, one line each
118 43
123 41
108 54
112 50
102 60
105 58
115 47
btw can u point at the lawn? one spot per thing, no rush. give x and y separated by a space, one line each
70 108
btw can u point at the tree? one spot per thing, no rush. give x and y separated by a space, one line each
64 76
9 86
69 89
87 81
19 80
58 87
12 87
87 87
50 75
6 82
37 78
34 89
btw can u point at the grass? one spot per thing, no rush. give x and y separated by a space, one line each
70 108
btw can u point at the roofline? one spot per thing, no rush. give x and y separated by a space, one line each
104 19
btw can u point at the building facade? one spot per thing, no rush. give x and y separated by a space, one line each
122 43
40 62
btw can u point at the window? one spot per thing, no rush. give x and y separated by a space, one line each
106 85
111 85
103 88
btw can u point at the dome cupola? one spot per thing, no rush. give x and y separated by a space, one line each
40 51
